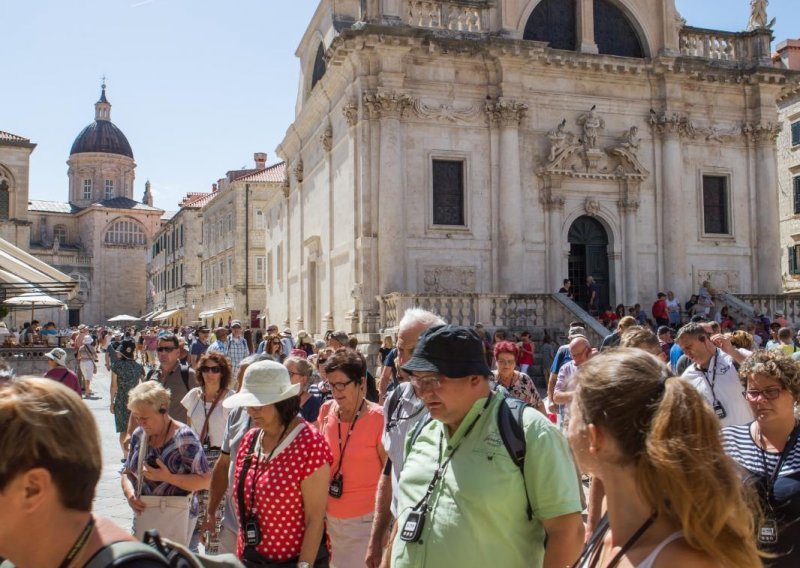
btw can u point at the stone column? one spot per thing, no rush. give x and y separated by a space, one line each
389 109
585 19
767 220
629 207
506 115
553 205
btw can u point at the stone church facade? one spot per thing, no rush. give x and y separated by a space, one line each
101 235
469 148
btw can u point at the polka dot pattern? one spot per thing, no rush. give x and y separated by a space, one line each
278 500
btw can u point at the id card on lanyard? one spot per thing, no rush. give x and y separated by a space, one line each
768 530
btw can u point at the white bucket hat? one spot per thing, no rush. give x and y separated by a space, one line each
88 340
265 382
58 355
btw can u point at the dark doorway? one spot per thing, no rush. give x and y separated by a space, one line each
74 317
588 256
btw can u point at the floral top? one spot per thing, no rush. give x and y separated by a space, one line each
278 503
522 388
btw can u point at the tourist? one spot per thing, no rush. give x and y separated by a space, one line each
57 361
238 348
48 476
612 339
207 417
580 352
525 355
338 339
786 342
457 505
272 347
304 342
86 356
660 310
674 309
352 426
300 372
672 497
199 346
566 288
593 293
287 342
664 335
517 383
126 373
768 452
705 298
173 463
283 460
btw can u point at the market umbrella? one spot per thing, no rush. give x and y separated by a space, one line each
34 299
123 317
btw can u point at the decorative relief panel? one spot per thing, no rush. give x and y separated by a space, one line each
446 111
448 279
721 280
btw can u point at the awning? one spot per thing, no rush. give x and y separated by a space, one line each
21 272
165 315
215 311
149 315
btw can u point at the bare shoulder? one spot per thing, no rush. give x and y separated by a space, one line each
679 553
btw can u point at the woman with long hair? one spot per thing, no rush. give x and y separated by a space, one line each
673 497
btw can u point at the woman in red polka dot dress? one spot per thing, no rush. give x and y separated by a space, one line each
281 477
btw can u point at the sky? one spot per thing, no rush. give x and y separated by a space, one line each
197 86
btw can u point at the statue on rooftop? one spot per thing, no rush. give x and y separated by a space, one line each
758 15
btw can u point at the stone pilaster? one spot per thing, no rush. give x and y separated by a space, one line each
629 207
553 205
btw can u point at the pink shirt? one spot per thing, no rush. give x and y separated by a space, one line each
362 465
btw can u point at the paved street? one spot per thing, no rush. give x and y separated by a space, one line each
109 500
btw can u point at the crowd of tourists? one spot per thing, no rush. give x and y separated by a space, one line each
672 446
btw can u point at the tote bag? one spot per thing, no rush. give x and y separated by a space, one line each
169 515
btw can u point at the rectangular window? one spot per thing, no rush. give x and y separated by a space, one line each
270 268
796 185
87 189
794 256
230 270
279 263
448 192
716 214
222 282
260 270
109 189
796 133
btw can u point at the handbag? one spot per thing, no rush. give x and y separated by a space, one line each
167 514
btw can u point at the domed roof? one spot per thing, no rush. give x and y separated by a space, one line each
102 136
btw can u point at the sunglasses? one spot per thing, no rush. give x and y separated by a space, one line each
210 369
166 349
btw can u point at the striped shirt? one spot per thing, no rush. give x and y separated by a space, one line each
739 445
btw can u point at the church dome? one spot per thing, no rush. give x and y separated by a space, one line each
102 135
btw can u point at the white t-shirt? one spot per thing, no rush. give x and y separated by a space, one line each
196 410
727 388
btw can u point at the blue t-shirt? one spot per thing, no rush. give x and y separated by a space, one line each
562 356
198 348
675 353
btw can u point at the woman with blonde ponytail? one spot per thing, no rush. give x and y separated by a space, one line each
673 497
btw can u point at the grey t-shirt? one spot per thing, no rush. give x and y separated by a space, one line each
238 425
178 390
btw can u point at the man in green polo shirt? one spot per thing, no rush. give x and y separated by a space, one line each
462 500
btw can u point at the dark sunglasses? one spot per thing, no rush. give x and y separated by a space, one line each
210 369
166 349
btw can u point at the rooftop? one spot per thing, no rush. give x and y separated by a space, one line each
275 173
52 206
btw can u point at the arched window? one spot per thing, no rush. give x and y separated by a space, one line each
5 197
555 22
60 234
613 32
319 67
125 232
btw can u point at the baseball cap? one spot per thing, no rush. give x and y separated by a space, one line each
341 337
452 350
236 323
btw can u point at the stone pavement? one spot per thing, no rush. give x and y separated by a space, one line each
109 500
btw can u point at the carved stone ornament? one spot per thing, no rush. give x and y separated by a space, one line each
505 112
449 279
592 207
445 111
721 280
592 124
671 123
628 205
390 105
551 201
298 170
714 133
757 132
326 138
350 112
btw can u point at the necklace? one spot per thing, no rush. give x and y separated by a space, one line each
79 543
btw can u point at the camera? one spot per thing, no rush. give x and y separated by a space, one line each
151 462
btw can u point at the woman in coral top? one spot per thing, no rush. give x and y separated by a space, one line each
352 427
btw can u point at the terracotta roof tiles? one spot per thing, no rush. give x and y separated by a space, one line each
272 174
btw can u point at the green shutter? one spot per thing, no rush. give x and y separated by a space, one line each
792 260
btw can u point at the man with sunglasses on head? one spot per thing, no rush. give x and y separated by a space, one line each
462 500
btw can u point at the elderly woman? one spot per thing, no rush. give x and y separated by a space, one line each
673 499
300 372
281 474
126 373
353 427
208 418
166 460
768 452
517 383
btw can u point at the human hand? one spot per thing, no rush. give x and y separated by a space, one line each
126 443
723 342
111 408
159 473
374 553
136 504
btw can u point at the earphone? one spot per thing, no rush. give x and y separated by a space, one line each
162 410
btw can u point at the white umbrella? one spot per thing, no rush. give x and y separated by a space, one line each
123 317
34 299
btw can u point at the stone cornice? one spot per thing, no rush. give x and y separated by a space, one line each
762 132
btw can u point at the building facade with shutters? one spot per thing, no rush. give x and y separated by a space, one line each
468 149
101 235
788 55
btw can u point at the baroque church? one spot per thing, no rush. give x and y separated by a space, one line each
100 235
469 155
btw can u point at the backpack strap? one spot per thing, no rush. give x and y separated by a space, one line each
509 422
391 406
124 553
150 374
185 376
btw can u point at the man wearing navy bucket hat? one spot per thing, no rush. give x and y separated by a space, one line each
463 500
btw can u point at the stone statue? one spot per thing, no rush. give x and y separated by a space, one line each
631 142
758 15
592 124
560 140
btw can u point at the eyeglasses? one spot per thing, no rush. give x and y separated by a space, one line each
166 349
423 383
210 369
338 386
770 393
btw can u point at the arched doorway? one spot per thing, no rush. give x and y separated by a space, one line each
588 256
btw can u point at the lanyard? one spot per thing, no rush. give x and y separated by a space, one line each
713 380
204 432
79 544
442 466
772 478
256 475
343 448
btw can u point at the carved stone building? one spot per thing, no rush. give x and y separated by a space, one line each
15 156
472 149
788 56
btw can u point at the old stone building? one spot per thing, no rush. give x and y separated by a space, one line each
472 151
788 56
15 156
101 235
233 261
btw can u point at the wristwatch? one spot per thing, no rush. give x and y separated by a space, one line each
303 565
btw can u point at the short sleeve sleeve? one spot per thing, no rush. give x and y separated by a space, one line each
318 453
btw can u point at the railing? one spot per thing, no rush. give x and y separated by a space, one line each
462 16
768 304
725 46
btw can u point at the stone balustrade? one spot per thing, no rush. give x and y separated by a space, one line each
461 16
30 360
734 47
768 304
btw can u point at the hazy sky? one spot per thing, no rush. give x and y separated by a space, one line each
197 86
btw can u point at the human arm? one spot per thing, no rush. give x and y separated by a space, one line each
219 485
381 520
725 345
185 481
551 385
597 493
387 552
560 395
130 494
383 382
113 391
564 540
314 490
